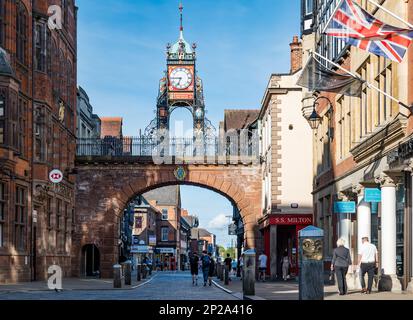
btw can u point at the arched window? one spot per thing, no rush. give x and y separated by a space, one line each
2 23
21 33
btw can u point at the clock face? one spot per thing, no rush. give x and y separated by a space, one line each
181 78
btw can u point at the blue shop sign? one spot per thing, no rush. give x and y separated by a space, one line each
344 207
372 195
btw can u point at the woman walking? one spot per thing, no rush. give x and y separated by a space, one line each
340 263
286 263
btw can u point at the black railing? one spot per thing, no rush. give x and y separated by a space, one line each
150 147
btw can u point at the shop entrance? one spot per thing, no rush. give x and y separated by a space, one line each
287 241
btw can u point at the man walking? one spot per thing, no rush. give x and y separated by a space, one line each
262 266
367 263
206 262
228 262
194 260
211 268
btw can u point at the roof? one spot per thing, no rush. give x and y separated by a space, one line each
111 126
239 118
167 196
5 66
204 233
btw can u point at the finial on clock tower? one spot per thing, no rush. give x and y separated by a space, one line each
181 29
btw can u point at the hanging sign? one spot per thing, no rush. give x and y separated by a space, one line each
344 207
372 195
56 176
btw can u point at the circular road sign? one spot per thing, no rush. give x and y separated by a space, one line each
56 176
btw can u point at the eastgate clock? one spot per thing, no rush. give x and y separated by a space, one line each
181 78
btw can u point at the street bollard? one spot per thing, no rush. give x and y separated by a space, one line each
311 264
226 276
138 272
128 273
248 279
117 277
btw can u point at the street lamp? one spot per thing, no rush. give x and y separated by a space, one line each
314 119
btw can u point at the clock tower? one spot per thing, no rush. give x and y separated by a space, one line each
181 87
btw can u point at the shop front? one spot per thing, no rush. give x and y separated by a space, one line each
280 232
165 259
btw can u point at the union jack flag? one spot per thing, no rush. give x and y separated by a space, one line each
360 29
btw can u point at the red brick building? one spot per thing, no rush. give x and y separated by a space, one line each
37 134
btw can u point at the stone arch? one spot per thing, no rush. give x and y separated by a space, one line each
103 191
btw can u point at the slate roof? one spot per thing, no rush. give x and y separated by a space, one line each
166 196
239 119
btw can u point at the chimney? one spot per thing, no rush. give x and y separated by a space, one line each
296 55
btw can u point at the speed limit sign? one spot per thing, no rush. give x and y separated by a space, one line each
56 176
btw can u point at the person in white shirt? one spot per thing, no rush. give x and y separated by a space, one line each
262 266
367 263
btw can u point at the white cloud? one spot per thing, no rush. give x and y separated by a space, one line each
220 222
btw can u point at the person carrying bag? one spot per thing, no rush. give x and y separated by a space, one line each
340 263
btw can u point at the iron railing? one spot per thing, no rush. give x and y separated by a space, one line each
149 147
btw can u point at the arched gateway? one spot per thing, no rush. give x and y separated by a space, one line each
105 187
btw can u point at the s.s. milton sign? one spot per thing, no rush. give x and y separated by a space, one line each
291 220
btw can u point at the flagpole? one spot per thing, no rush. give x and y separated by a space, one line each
391 13
332 15
369 85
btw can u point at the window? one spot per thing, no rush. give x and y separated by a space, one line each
21 33
2 119
20 219
2 212
65 226
49 212
2 22
21 137
164 233
164 214
59 225
39 135
308 7
40 43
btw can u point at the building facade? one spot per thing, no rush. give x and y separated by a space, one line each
167 200
37 134
361 145
88 123
285 150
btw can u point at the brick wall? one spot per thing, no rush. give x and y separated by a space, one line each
296 55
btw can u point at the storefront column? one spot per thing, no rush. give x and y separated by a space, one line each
388 230
345 228
363 217
273 252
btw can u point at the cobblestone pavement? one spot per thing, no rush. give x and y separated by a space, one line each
163 286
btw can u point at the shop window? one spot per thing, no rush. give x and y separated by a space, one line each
164 234
49 212
2 212
400 205
58 224
20 218
2 22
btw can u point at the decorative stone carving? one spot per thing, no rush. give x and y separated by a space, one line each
358 189
385 180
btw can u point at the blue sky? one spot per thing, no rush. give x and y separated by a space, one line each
121 57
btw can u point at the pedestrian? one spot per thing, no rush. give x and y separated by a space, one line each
262 266
211 268
234 265
228 263
367 263
286 264
206 262
193 261
241 264
340 263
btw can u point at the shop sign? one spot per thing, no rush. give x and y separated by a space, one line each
140 249
232 229
344 207
166 250
293 220
152 240
372 195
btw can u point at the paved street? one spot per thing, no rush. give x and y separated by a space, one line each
163 286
